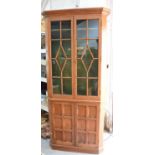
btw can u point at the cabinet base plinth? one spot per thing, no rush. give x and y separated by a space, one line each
77 149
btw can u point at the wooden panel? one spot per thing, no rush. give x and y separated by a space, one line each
92 112
58 135
91 125
57 109
67 124
81 138
68 137
81 125
67 110
81 111
57 123
91 138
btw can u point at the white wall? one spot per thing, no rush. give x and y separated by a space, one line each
64 4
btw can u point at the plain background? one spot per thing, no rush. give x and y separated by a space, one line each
133 77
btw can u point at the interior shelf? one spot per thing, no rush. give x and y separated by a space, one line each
43 79
44 104
43 50
43 62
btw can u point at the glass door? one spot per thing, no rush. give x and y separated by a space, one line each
87 40
61 56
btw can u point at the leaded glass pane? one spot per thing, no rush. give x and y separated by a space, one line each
87 58
81 86
61 58
56 86
66 34
66 25
81 24
81 34
92 87
67 86
93 23
81 45
67 69
92 33
55 25
55 34
55 47
93 72
67 47
93 45
55 68
80 69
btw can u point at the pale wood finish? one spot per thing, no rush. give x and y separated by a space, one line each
76 121
77 11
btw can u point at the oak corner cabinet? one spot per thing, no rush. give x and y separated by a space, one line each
76 77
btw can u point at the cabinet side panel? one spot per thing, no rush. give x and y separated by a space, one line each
104 79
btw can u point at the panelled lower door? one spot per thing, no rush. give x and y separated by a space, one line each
61 59
87 124
63 123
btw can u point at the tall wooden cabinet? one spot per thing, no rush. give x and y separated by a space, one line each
76 74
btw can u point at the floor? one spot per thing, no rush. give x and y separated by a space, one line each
46 149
